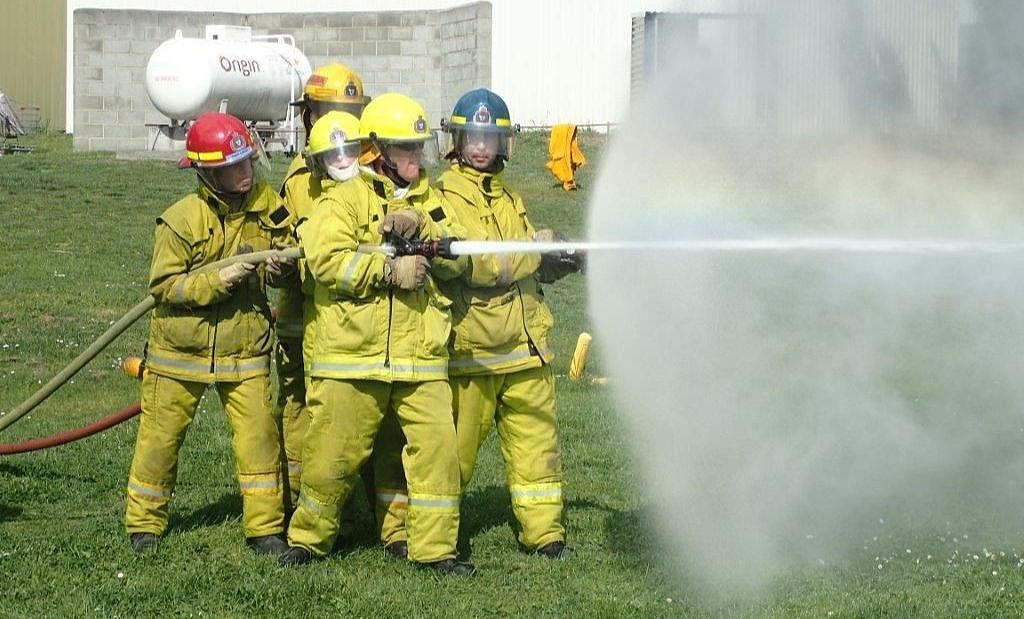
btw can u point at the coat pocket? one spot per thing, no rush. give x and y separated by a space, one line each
490 320
349 327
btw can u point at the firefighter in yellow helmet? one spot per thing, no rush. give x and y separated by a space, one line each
212 328
499 356
332 90
331 87
331 156
381 328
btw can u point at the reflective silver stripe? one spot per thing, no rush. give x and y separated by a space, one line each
294 468
415 501
204 368
259 484
346 279
259 364
410 369
536 493
157 494
393 369
199 366
346 367
489 360
396 497
312 504
178 295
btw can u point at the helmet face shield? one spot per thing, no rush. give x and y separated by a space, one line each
260 160
407 157
480 148
230 180
334 144
341 163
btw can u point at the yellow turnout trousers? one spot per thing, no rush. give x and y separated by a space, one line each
168 407
291 401
392 493
524 404
346 417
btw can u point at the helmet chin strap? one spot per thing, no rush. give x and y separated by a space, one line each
232 199
388 169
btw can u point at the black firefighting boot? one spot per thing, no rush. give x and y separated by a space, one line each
554 550
452 566
267 544
398 550
295 555
141 542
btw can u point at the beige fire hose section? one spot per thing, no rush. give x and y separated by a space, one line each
121 325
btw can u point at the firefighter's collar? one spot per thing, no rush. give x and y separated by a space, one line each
255 200
490 183
384 187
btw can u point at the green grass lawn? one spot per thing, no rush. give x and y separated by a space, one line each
78 233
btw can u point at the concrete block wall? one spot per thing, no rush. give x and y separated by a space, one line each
432 56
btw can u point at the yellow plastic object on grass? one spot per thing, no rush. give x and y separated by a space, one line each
579 356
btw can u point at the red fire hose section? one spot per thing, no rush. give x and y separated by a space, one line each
63 438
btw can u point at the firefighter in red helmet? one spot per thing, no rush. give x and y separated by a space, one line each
212 328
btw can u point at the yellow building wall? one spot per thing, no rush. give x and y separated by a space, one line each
33 49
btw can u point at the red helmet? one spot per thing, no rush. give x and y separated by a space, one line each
215 140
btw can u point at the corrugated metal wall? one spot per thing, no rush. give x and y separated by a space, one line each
32 56
876 63
811 66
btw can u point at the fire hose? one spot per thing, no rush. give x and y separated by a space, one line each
95 348
568 253
395 246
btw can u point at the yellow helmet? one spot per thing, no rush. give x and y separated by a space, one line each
332 130
393 117
334 146
336 83
333 87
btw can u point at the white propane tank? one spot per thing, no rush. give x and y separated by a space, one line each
186 77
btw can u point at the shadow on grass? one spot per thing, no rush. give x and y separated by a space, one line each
629 533
483 509
9 512
227 507
10 469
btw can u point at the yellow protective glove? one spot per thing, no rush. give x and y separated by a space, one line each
404 222
405 272
232 274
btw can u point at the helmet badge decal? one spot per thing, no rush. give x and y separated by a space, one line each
237 142
351 90
420 126
316 80
337 137
482 115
